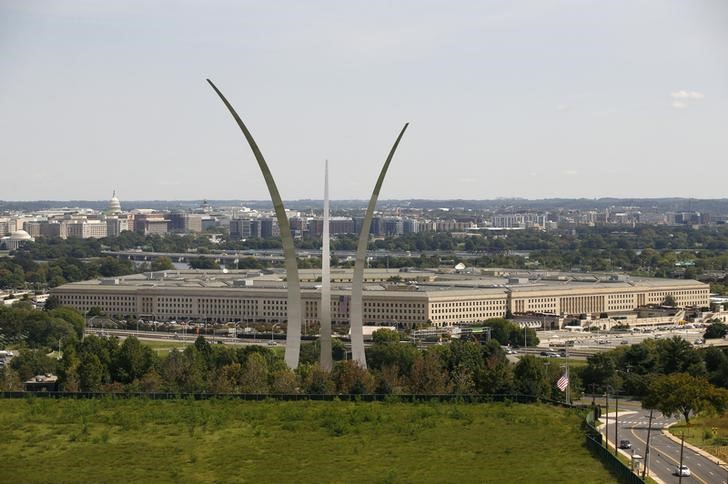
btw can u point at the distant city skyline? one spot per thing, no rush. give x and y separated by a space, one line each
531 99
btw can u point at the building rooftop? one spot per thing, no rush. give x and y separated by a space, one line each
412 282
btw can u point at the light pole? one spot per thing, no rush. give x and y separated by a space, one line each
680 469
616 422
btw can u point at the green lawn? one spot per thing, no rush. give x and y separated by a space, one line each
162 347
234 441
709 433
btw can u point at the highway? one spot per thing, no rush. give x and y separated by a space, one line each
633 424
181 337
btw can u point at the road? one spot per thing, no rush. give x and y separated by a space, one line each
189 338
633 423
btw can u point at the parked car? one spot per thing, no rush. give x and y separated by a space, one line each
699 341
625 444
624 342
682 471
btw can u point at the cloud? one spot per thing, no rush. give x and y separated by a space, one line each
686 95
682 99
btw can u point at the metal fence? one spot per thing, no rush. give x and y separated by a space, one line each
367 397
595 445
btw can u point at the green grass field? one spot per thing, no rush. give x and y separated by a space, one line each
163 348
233 441
709 433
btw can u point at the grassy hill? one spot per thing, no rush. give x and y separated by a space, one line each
233 441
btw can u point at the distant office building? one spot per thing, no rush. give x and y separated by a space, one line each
115 226
33 227
151 223
377 228
185 222
4 227
393 227
337 226
91 229
244 228
269 228
411 226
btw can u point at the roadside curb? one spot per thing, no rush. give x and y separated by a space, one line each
666 432
600 428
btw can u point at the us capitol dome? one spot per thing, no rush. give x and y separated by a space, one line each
114 206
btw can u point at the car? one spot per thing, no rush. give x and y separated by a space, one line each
272 343
624 342
553 354
510 351
625 444
544 353
682 471
699 341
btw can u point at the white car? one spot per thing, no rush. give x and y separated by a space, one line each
682 471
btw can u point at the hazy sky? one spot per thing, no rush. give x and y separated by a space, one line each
543 98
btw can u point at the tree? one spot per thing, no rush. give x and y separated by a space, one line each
601 370
385 335
315 380
255 375
162 263
684 394
283 382
132 360
350 378
428 375
10 380
530 377
52 302
669 301
716 330
33 362
677 355
91 373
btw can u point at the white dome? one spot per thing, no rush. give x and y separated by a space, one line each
114 205
20 235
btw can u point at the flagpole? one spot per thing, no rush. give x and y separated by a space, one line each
568 380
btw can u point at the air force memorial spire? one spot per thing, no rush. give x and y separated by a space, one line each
357 281
325 312
293 332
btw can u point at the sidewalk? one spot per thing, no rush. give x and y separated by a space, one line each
666 432
611 416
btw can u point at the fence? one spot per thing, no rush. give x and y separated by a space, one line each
366 397
594 444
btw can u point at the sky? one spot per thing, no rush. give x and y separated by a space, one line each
532 99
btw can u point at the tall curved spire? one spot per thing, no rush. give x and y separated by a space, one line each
293 335
325 332
357 281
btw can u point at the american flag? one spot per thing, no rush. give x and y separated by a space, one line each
563 382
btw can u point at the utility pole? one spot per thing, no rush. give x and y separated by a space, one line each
616 423
679 471
606 417
647 449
